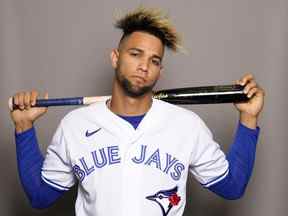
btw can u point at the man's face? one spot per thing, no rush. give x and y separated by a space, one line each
137 63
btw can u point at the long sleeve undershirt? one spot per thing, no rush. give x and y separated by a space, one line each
29 161
240 157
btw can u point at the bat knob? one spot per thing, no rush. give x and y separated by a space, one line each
10 104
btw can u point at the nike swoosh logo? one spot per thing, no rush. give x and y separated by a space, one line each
88 134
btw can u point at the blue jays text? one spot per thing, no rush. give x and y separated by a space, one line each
108 156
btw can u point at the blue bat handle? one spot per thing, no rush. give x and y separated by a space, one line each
56 102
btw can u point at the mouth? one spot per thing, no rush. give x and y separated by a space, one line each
139 78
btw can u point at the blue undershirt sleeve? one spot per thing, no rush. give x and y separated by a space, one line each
241 157
29 161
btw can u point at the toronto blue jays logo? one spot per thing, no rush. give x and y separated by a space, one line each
166 199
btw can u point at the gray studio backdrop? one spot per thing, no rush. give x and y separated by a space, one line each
63 46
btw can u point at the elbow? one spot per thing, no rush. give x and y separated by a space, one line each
39 204
229 190
43 197
40 201
36 205
235 194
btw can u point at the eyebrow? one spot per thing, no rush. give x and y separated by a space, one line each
140 50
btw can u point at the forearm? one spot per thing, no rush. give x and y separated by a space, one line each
30 160
240 157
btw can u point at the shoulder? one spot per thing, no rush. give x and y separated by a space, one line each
86 113
178 113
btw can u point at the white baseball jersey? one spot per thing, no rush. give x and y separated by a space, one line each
123 171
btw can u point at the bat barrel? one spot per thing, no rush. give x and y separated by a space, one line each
203 95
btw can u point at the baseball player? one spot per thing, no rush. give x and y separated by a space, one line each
131 154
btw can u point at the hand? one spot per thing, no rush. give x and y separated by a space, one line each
250 110
25 116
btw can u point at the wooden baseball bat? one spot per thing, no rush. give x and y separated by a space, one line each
190 95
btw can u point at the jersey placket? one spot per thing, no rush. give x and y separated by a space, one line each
128 140
127 175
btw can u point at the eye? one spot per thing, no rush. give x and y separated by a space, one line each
156 62
161 197
134 53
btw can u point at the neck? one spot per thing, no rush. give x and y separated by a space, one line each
122 104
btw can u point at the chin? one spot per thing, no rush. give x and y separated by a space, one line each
138 92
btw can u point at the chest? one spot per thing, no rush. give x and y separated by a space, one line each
103 154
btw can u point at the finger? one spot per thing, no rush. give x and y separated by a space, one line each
16 100
27 100
252 84
246 78
34 95
21 100
237 82
252 92
260 92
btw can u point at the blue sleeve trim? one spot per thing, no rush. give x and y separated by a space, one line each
241 157
30 161
219 178
55 185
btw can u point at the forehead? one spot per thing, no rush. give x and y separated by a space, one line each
145 41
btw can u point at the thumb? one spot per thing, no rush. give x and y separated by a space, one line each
46 96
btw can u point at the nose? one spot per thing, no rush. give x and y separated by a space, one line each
144 65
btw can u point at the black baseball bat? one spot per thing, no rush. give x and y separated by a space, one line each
189 95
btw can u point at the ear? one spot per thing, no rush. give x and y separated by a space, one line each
114 56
